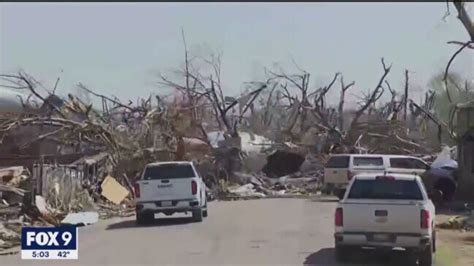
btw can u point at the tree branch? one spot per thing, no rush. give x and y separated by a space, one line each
22 77
433 118
340 108
463 16
470 46
375 95
446 71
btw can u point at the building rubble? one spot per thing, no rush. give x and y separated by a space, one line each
19 206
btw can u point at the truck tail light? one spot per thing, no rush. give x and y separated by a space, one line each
194 187
338 218
350 175
136 189
425 219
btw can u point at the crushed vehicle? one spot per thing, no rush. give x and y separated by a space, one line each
168 188
443 175
385 212
340 168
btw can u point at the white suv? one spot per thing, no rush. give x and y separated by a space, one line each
340 168
170 187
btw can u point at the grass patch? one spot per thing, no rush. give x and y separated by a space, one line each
444 257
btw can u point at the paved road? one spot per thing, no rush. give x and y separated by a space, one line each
254 232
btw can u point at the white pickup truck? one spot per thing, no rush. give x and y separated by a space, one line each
170 187
386 211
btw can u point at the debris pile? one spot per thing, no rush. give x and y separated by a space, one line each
246 191
10 233
260 186
81 218
68 200
460 222
107 211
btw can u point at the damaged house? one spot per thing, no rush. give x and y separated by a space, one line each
465 142
26 144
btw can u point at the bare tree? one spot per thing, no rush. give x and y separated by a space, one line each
300 82
340 109
204 86
405 99
374 96
320 109
305 102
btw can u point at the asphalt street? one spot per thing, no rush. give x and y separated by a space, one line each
246 232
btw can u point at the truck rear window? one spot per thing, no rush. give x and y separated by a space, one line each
169 171
368 161
385 189
338 162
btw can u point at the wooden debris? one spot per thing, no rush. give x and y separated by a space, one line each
113 191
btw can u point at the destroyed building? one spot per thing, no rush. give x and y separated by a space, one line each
26 144
465 142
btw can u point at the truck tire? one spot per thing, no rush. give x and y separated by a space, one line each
426 256
204 211
342 253
143 218
197 215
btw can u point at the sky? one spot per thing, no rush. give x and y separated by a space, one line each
120 48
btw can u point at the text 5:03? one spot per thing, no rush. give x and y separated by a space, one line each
40 254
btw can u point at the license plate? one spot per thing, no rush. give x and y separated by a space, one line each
166 203
381 237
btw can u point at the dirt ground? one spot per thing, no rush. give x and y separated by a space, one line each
455 247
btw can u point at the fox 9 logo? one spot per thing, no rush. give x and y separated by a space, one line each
49 242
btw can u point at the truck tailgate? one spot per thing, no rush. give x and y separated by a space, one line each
166 189
387 217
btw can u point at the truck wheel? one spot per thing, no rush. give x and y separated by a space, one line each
143 218
426 256
197 215
342 253
204 211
